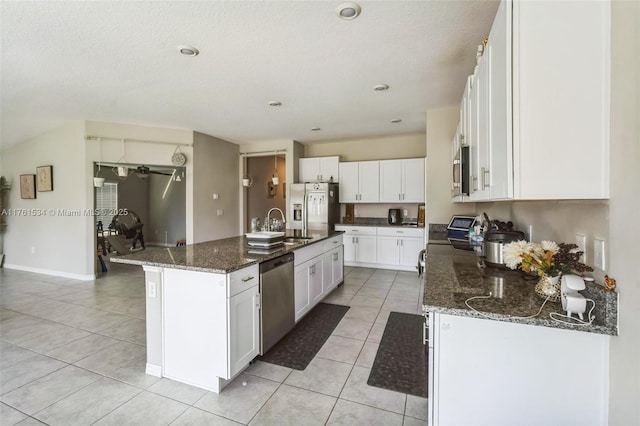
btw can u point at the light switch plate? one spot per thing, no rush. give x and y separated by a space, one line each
598 254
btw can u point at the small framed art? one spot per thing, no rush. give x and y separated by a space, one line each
45 178
28 186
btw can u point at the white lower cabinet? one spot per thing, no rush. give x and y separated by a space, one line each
503 373
318 270
244 329
389 247
333 269
210 325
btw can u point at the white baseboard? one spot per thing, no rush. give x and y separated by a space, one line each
50 272
153 370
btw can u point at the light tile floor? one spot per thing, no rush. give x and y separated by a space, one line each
73 353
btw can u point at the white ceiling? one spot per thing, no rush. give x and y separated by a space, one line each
117 61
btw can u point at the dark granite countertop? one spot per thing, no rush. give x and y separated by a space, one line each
453 276
219 256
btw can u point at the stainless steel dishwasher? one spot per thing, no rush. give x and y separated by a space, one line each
277 308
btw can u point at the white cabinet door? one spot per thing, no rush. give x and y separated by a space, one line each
500 176
329 169
301 290
366 248
479 150
409 250
368 181
413 178
244 329
332 267
388 250
349 190
316 280
561 98
391 181
337 266
349 244
309 169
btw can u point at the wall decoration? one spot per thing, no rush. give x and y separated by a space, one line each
45 178
28 186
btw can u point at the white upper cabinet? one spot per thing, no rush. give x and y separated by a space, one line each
538 109
402 180
561 98
359 182
319 169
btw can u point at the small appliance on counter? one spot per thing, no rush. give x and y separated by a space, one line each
494 242
395 217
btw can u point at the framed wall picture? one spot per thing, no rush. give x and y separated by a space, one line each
28 186
44 180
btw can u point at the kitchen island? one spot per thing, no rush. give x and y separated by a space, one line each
203 302
492 352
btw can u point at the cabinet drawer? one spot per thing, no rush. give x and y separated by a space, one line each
357 230
400 232
332 243
242 280
303 254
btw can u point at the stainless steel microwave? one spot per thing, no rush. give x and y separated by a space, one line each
460 182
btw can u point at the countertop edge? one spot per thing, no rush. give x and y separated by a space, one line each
540 322
259 259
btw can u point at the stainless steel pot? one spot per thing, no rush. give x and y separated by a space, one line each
494 242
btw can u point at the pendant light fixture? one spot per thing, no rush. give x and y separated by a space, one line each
246 179
121 171
275 179
98 181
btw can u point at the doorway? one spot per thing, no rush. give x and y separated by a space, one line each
157 196
263 194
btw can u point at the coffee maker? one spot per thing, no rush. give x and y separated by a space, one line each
394 217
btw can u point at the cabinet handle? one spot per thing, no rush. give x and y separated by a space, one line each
401 243
357 241
258 299
403 197
313 269
335 256
399 196
397 242
485 178
245 279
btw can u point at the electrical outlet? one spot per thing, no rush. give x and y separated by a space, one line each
152 289
406 212
581 242
598 254
216 196
219 212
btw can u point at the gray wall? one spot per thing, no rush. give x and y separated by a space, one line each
258 199
167 213
133 194
215 171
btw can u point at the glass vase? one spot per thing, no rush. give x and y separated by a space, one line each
548 287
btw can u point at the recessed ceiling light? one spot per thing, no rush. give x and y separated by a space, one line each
381 87
396 120
315 129
188 50
348 10
274 103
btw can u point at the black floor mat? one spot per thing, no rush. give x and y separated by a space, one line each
297 349
401 362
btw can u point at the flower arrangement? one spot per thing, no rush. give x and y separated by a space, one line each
545 258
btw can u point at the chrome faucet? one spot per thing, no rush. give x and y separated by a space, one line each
268 224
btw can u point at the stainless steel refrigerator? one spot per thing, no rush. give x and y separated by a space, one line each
314 207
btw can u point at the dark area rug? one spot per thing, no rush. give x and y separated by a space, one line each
300 345
401 362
